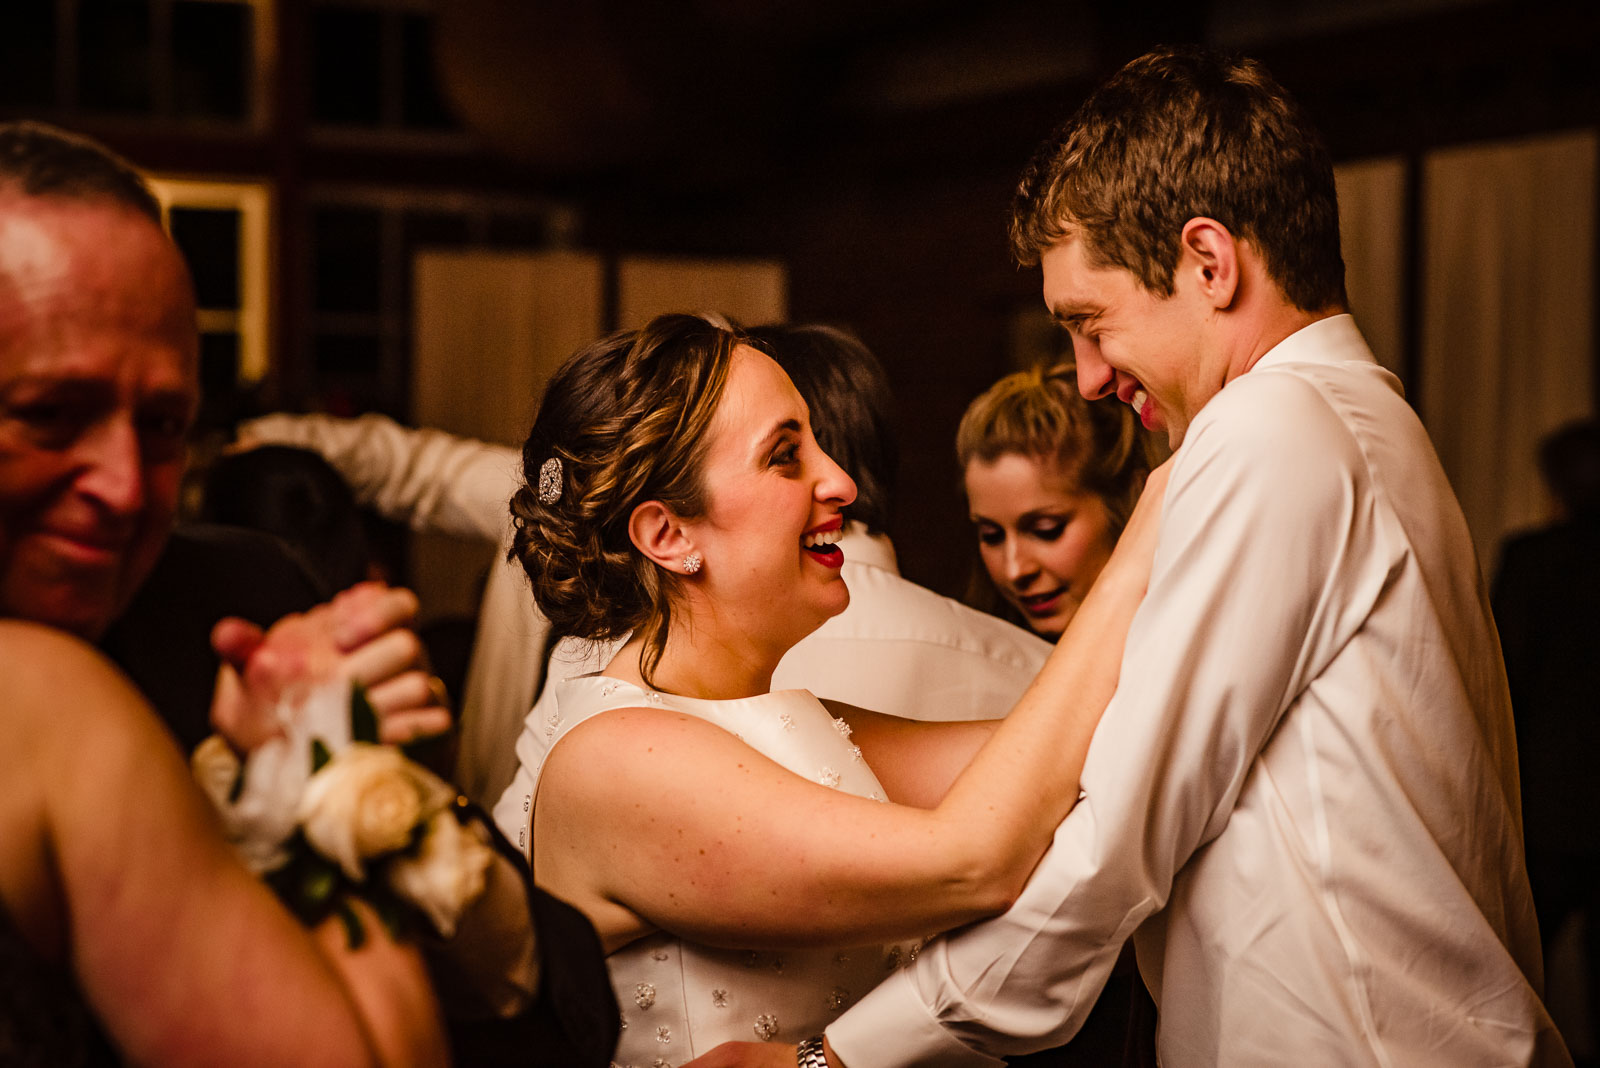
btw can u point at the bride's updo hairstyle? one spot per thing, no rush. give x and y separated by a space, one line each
627 418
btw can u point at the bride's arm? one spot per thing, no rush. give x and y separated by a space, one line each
917 761
183 955
650 819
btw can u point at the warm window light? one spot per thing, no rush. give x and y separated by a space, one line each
250 319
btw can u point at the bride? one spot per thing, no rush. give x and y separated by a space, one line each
754 862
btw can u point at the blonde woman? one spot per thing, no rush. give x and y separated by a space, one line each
1051 479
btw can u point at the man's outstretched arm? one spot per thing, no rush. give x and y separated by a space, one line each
426 479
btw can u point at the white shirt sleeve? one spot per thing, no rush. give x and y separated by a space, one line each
427 479
1260 569
435 481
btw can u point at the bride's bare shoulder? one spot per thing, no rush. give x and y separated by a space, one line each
634 732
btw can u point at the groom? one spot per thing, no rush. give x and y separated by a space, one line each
1302 804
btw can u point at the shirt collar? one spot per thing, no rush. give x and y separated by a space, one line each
874 550
1331 340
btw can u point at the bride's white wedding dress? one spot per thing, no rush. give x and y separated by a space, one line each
678 998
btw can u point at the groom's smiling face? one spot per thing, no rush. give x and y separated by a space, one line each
1128 341
98 386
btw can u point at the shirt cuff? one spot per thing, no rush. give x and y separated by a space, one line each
893 1028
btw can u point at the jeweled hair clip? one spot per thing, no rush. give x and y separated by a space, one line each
550 481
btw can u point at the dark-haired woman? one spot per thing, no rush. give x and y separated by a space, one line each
735 847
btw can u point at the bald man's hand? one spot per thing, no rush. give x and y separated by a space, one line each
364 634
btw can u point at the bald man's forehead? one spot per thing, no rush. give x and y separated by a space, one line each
82 281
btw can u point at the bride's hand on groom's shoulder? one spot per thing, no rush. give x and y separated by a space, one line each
746 1055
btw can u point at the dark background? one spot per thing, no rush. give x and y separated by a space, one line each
871 147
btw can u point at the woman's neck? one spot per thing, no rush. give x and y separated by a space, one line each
699 664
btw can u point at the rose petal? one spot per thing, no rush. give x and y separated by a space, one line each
445 874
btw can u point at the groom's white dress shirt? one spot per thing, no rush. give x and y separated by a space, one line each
1302 803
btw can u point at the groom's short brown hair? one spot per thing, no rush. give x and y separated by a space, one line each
1181 133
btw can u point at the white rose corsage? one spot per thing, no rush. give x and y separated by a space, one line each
323 812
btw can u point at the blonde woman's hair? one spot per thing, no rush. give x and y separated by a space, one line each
1040 414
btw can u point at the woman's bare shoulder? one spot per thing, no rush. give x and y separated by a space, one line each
612 743
46 667
19 637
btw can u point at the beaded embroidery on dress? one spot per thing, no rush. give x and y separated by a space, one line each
679 999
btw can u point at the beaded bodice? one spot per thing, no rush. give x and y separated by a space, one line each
679 999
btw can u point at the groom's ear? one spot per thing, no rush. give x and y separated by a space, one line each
657 533
1209 255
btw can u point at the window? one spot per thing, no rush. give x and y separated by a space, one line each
174 59
223 229
362 243
372 68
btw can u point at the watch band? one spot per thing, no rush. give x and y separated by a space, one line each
809 1053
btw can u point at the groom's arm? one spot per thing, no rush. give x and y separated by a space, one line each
1260 567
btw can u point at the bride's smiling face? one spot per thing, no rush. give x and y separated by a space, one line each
775 502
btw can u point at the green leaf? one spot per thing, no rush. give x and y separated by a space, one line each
391 911
318 882
363 720
354 934
319 755
309 884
